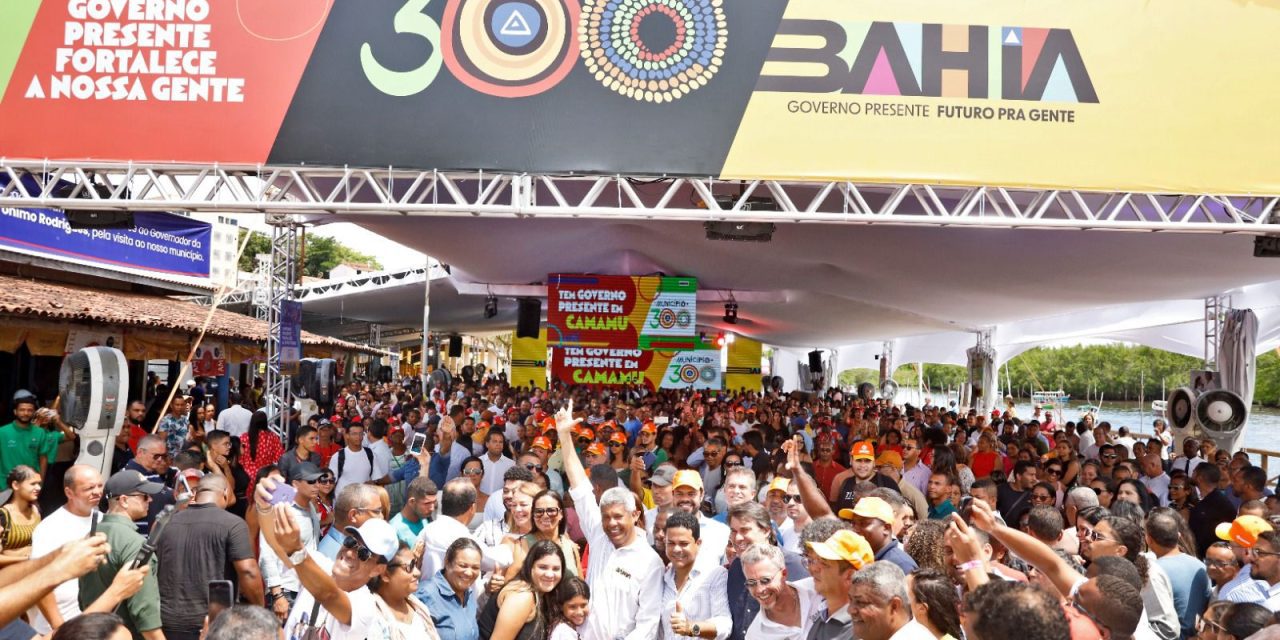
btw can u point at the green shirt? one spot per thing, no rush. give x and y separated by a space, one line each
25 445
142 611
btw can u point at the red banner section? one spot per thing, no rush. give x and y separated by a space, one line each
650 312
192 80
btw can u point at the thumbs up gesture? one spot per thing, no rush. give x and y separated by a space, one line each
679 623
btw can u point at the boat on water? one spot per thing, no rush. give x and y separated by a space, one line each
1057 398
1158 407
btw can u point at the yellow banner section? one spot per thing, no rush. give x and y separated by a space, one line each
743 370
529 361
1088 94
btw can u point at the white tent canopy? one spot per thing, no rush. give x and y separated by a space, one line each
847 289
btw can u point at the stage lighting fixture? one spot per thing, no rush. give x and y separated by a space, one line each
731 312
490 307
720 341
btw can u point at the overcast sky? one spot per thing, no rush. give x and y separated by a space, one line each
390 254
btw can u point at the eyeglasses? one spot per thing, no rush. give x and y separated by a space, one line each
362 552
733 464
139 495
762 582
1040 497
1110 455
1053 471
1259 552
473 472
408 567
325 480
549 511
617 444
1075 602
309 481
1220 563
533 466
1094 536
788 499
1205 622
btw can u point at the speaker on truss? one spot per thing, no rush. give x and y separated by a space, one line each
888 389
303 384
1179 410
78 219
1221 415
455 346
775 383
325 387
815 361
94 384
529 319
468 374
867 391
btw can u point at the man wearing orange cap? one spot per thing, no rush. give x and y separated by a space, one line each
1243 533
862 468
647 445
687 494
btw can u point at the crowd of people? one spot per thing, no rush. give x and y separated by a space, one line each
482 511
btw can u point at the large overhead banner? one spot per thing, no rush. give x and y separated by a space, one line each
1089 94
655 369
158 242
645 312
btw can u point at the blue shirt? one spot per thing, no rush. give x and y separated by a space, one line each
1190 584
331 544
454 619
893 552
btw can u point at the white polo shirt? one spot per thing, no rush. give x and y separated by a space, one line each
626 582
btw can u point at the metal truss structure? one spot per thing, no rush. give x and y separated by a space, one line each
284 250
1215 315
316 191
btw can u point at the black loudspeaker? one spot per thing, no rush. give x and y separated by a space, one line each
455 346
99 219
317 380
529 321
303 384
815 361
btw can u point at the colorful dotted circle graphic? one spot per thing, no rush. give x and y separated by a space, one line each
666 318
622 53
689 373
510 48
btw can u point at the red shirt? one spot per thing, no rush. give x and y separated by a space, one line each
824 474
326 452
269 451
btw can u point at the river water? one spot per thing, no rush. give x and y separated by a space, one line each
1261 432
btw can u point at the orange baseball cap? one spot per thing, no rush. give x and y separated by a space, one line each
543 442
864 451
649 427
618 437
779 484
587 433
1243 531
687 478
596 449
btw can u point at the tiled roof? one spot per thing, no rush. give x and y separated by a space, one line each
41 299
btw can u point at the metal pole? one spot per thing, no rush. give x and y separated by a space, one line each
426 324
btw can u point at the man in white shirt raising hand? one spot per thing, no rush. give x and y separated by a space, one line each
624 572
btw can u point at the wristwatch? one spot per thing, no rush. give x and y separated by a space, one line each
298 556
697 631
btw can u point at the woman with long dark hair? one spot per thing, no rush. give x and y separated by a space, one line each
19 514
259 447
240 479
548 524
518 611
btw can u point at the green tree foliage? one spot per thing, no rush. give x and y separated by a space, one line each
1086 370
322 254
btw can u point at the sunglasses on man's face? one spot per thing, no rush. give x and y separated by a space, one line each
362 552
533 466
